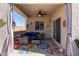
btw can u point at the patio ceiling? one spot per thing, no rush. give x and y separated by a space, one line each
32 9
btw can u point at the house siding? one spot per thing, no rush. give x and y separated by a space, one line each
75 27
3 30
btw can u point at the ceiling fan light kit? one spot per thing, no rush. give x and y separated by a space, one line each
41 13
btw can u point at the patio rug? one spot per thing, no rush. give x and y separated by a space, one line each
43 45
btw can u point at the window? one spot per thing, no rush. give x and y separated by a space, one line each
39 25
19 22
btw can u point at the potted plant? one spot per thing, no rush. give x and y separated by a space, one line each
16 43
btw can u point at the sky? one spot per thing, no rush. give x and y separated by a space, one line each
19 20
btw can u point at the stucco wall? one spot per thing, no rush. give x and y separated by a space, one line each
75 21
3 30
75 27
60 12
46 21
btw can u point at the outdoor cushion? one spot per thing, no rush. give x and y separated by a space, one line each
31 35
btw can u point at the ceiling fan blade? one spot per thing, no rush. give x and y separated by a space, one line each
45 14
40 13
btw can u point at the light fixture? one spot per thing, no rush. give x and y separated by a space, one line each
39 15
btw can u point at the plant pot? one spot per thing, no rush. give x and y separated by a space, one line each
16 46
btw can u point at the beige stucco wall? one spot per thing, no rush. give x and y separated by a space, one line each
75 27
46 21
75 20
60 12
3 30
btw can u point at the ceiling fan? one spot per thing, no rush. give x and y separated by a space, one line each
41 13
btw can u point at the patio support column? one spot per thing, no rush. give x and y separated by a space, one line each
69 50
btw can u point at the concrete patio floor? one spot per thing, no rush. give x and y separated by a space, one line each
34 51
